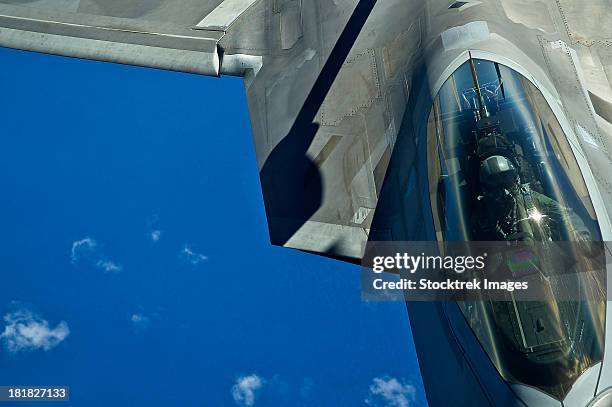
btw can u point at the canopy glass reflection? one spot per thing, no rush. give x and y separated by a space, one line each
502 169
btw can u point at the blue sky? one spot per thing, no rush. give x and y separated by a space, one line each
135 260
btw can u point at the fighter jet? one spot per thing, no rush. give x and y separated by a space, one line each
396 120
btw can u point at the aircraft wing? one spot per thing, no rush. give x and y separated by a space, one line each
157 33
281 47
334 86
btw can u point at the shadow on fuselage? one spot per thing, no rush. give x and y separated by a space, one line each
403 211
291 182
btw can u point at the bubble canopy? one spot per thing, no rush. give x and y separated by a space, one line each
500 168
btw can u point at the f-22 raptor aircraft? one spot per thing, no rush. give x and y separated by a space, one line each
390 120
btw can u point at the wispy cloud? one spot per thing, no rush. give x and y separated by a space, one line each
192 256
86 251
155 232
81 248
155 235
140 321
245 390
390 392
26 331
109 266
142 318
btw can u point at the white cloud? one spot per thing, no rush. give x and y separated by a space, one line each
26 331
140 321
109 266
245 389
192 257
155 235
82 247
142 318
390 392
86 251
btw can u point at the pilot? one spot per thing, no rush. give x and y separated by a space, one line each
509 210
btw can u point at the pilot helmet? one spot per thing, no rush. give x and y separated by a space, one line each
497 175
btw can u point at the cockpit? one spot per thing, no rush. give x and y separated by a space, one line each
502 169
